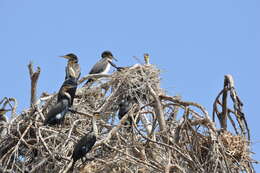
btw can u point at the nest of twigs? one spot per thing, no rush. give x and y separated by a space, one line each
168 134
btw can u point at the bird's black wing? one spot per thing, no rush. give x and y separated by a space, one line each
66 72
91 142
72 92
55 110
124 107
83 146
99 66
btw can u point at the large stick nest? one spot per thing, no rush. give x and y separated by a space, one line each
168 134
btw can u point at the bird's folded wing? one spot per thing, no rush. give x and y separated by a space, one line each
99 67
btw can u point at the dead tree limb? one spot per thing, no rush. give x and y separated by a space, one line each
34 76
158 109
166 133
227 113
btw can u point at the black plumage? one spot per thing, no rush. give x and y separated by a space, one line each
71 90
83 146
103 65
73 68
124 108
58 111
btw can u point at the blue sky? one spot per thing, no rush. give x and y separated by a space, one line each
195 43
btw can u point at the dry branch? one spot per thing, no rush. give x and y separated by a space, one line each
167 134
34 76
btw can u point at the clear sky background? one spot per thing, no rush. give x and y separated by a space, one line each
195 43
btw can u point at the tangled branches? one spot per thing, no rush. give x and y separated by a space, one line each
167 133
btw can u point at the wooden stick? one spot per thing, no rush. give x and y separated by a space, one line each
34 76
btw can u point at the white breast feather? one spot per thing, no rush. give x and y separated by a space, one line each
107 69
58 116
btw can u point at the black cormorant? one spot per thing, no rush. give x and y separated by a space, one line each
71 90
103 65
124 108
83 146
57 112
72 69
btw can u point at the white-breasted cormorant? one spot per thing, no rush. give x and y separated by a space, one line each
103 65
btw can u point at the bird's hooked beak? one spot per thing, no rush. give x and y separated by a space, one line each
114 58
65 56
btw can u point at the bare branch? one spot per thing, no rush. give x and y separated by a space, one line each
157 133
34 76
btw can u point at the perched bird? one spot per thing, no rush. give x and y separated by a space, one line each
83 146
147 58
103 65
57 113
124 108
71 90
72 69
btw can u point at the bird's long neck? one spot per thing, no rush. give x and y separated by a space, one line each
71 71
71 62
147 62
108 59
66 95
